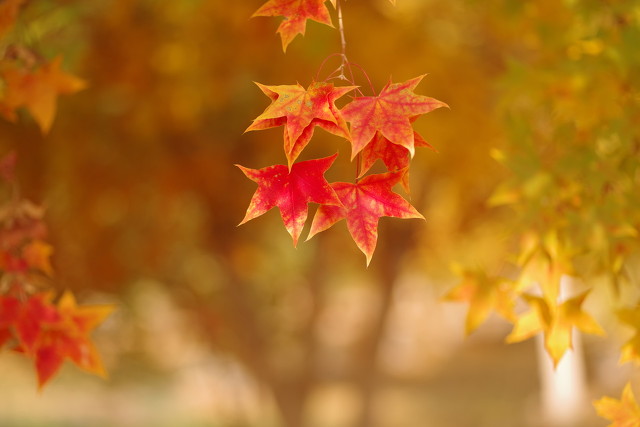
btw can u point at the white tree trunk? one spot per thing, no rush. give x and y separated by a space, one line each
563 391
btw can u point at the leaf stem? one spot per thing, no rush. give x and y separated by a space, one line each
343 41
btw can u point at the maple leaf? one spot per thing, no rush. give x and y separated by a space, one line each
389 113
37 91
300 110
37 256
623 413
71 339
291 191
296 13
395 157
363 204
51 333
631 349
556 321
34 316
484 294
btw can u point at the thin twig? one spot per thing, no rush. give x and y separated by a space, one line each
343 41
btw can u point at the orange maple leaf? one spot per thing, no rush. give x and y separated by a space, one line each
623 413
37 91
363 204
290 191
37 255
296 13
389 113
300 110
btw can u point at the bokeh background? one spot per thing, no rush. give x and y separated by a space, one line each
219 325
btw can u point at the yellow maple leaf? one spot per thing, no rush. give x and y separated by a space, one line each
556 322
484 295
623 413
37 91
631 349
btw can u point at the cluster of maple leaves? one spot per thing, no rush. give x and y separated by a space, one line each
32 321
379 127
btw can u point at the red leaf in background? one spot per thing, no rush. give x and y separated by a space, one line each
52 333
36 314
290 191
70 339
363 204
389 113
300 110
296 13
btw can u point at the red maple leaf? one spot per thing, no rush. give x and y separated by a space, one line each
363 204
389 113
296 13
300 110
290 191
51 333
395 157
35 315
69 339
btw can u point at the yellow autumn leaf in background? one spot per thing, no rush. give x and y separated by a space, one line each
556 322
484 295
623 413
631 349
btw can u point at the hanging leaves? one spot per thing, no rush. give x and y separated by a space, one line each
31 323
380 128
